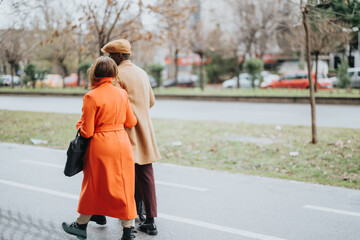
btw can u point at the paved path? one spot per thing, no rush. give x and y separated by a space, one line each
262 113
194 204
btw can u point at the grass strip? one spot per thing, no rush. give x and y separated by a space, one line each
233 147
209 91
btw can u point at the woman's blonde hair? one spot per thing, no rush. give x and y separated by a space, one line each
102 67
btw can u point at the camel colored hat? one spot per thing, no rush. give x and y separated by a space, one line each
117 46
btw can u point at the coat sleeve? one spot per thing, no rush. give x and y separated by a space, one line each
131 120
87 120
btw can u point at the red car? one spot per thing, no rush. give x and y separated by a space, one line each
72 80
299 80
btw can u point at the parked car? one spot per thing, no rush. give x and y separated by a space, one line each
300 80
268 78
354 74
182 81
5 80
72 80
245 81
334 81
50 81
153 82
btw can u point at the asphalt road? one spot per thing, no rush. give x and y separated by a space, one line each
261 113
194 204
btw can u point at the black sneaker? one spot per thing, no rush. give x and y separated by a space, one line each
128 234
149 228
76 229
99 219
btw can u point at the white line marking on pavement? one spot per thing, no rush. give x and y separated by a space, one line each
218 227
39 189
356 214
161 215
43 164
157 182
182 186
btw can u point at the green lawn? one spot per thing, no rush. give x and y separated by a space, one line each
335 160
256 92
44 90
209 91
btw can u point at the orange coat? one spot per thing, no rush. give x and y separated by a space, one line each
109 176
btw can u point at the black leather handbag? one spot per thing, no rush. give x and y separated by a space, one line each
75 154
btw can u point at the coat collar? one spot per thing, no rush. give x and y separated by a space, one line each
103 80
125 63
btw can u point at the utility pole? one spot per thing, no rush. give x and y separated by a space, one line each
305 11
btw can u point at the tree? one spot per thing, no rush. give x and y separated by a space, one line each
219 67
30 72
342 74
212 46
12 48
258 23
324 36
253 66
174 23
345 13
155 71
112 20
305 11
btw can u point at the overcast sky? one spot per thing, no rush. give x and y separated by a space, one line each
8 19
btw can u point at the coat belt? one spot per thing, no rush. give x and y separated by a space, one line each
109 128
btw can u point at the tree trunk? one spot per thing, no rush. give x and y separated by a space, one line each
176 67
308 58
253 81
101 42
79 62
12 67
302 59
65 71
236 69
316 70
201 71
349 58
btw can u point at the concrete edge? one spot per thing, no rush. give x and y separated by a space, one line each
265 99
254 99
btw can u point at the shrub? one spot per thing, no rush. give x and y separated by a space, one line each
155 71
253 66
342 74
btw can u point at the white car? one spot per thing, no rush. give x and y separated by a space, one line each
354 74
5 80
245 81
268 78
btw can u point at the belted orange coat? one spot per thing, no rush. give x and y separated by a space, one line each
109 176
136 83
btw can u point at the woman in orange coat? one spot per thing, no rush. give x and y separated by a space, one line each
109 176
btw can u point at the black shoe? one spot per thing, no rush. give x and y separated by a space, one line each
99 219
76 229
128 234
149 228
142 218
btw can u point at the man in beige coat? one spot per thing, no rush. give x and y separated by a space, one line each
136 83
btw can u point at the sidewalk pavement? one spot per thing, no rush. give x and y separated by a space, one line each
193 203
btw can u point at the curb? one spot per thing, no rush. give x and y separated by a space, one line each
265 99
253 99
42 94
